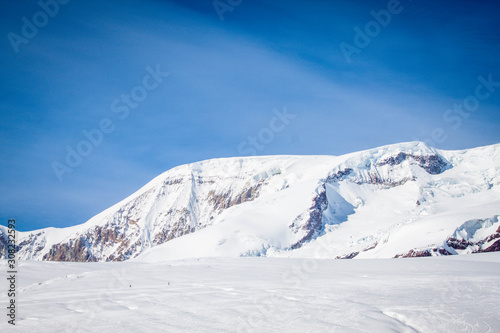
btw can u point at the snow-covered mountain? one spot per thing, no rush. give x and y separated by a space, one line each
401 200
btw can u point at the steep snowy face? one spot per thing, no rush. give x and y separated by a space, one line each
339 194
406 202
399 200
179 202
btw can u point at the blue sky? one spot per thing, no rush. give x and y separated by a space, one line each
225 78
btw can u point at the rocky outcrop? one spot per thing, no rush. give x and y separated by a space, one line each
424 253
492 248
465 240
339 176
434 164
348 256
483 245
3 244
75 250
33 244
178 229
476 236
314 223
94 245
225 200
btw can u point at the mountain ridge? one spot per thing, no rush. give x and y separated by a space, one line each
286 205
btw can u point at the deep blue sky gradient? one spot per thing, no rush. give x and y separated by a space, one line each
225 79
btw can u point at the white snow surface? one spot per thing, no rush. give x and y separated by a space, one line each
262 266
377 210
436 294
376 220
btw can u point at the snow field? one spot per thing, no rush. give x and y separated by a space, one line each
438 294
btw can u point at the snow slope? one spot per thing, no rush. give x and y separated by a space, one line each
409 209
439 294
399 200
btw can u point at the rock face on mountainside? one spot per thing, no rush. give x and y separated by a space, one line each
123 235
371 172
183 201
404 200
474 236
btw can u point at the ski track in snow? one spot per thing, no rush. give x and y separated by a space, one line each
438 294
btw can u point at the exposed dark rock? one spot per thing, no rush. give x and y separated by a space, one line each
442 251
74 250
433 164
173 181
225 200
339 176
348 256
80 249
3 244
371 247
458 244
414 254
172 231
375 179
478 246
492 237
492 248
31 240
314 224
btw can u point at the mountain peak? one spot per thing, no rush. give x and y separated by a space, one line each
397 200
